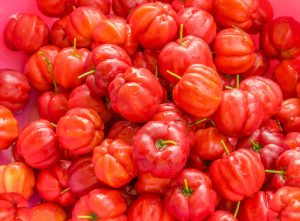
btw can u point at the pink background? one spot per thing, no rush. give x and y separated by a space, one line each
16 60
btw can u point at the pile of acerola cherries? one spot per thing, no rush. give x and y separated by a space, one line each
153 111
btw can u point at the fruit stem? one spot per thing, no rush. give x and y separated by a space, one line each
180 34
156 71
86 74
256 146
212 122
280 126
160 143
276 172
225 147
237 209
186 190
50 69
197 122
75 54
91 216
228 87
53 125
174 75
64 191
238 81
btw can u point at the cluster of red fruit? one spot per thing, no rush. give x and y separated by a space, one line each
137 125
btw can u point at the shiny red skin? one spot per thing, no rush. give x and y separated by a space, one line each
102 5
101 204
168 57
149 207
191 94
289 115
146 59
293 140
52 106
37 145
242 120
168 161
82 97
8 127
169 112
238 13
135 94
208 144
52 182
115 30
81 176
158 18
37 69
68 65
221 215
17 177
260 67
263 14
280 38
113 163
82 23
257 207
123 8
14 207
266 91
58 34
26 32
228 180
80 130
124 130
206 5
234 51
286 203
48 212
14 89
147 183
108 61
196 162
199 204
55 8
191 18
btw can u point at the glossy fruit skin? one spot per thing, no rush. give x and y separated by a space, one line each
242 16
168 57
52 106
146 59
14 89
167 161
39 68
14 207
266 91
115 31
149 207
242 120
68 65
206 5
196 206
257 207
123 8
147 183
80 130
234 51
52 182
221 215
226 174
190 93
55 8
260 66
280 38
292 140
26 32
289 115
81 176
135 94
58 34
286 203
169 112
48 212
160 18
287 75
82 97
17 177
8 127
193 17
102 5
101 203
124 130
82 23
113 163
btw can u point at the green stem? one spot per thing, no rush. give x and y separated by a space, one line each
212 122
256 147
225 147
280 126
160 143
228 87
276 172
237 209
50 69
86 74
75 54
197 122
174 75
85 217
53 125
238 81
156 71
186 190
64 191
181 34
91 216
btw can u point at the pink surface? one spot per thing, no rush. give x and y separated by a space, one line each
16 60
